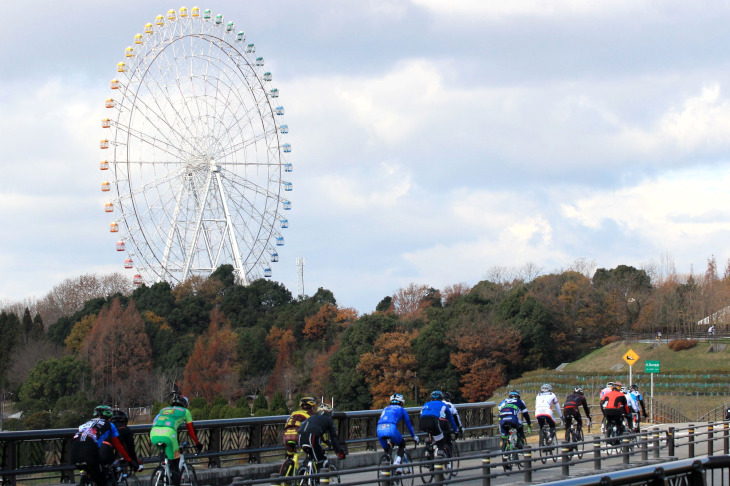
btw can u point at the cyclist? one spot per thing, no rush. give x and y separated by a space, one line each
544 403
606 389
291 431
126 437
164 430
571 409
633 408
615 406
388 422
455 414
86 445
311 432
639 399
430 420
509 417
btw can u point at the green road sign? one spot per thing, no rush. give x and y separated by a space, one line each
651 366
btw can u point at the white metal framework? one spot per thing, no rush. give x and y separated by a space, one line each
196 159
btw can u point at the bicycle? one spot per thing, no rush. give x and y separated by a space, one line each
290 466
612 436
117 473
428 456
162 476
309 469
575 437
510 446
548 443
391 475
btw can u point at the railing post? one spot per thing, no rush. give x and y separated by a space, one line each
67 477
597 453
486 471
725 438
528 464
670 441
625 449
644 445
326 479
691 440
214 445
710 440
438 472
256 440
657 445
565 459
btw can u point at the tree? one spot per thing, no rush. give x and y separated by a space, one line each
79 332
482 352
118 350
390 366
281 340
410 301
433 354
51 379
10 332
209 372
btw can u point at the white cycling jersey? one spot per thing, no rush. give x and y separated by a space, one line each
454 412
544 402
633 406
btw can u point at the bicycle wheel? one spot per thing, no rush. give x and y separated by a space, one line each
287 469
158 477
507 456
188 476
385 472
335 478
454 459
128 480
544 453
306 480
448 463
426 469
580 446
407 471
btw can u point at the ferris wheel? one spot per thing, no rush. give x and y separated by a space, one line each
195 158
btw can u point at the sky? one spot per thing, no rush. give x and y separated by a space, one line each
432 140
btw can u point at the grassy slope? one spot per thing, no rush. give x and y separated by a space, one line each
597 365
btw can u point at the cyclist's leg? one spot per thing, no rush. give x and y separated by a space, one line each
568 416
314 448
521 438
168 436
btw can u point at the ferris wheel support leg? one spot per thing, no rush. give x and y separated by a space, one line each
173 227
198 224
231 235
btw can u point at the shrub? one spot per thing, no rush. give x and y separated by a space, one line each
680 344
610 339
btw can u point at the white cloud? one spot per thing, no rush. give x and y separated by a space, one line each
534 8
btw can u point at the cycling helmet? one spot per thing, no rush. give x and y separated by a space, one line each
307 403
103 411
617 386
180 401
609 384
547 387
119 417
578 390
635 387
437 395
324 409
397 399
447 396
514 394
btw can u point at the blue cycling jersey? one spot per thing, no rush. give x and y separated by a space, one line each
393 414
437 408
511 408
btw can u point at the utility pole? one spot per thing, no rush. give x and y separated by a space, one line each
300 275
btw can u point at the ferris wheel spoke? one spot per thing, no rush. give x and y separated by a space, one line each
180 139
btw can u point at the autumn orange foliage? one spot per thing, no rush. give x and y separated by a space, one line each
390 367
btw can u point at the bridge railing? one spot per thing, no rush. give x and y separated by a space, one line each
46 454
538 464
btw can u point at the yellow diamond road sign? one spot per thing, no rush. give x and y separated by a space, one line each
631 357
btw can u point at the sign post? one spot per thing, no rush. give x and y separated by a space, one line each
651 367
630 357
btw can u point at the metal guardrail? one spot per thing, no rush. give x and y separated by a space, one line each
45 454
633 451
